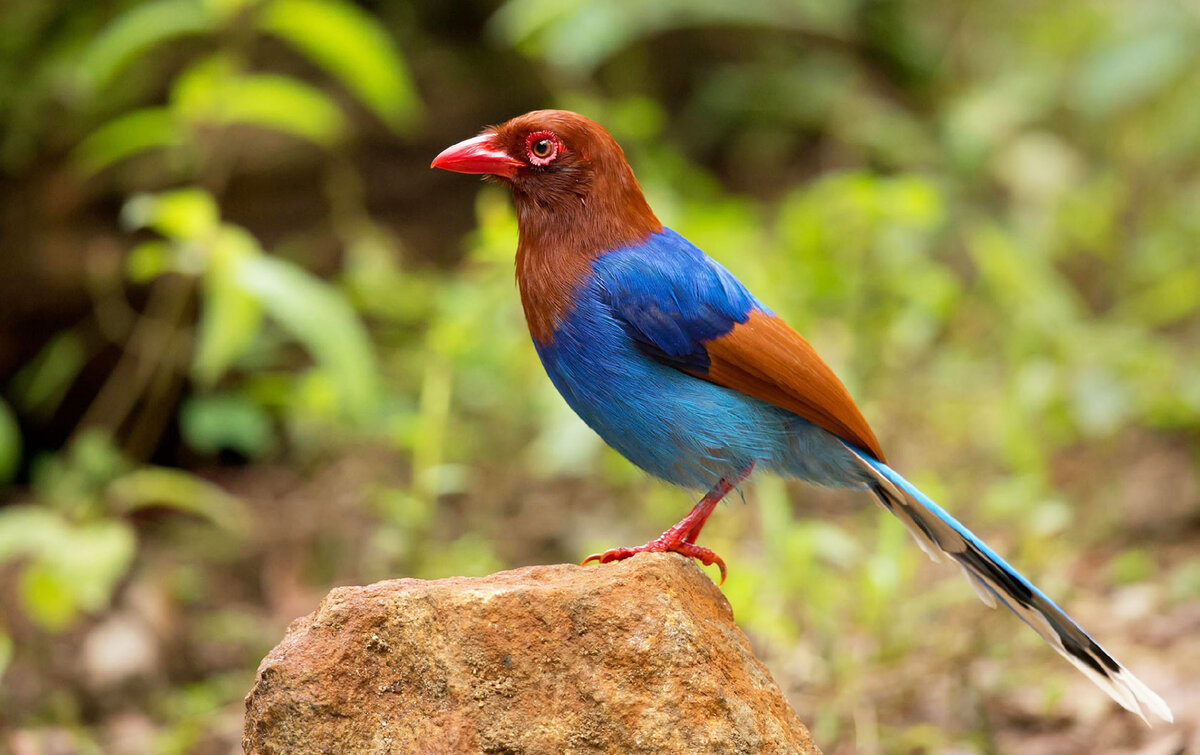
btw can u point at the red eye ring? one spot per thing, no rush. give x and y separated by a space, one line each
541 147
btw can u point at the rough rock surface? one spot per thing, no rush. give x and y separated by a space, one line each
637 656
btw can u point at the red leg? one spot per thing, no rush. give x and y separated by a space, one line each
682 537
710 501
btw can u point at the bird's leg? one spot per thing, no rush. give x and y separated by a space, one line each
682 537
707 504
718 492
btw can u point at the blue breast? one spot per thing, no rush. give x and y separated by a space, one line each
680 428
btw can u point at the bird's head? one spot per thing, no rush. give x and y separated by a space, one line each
564 170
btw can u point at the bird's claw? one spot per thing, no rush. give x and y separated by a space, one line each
616 554
704 556
700 553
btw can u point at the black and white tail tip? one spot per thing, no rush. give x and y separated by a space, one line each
995 581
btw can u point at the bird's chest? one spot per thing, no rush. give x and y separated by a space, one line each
672 425
591 360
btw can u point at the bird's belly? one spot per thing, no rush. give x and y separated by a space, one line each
680 428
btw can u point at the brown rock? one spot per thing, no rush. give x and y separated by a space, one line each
637 656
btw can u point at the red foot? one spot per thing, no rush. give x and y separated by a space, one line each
682 537
662 545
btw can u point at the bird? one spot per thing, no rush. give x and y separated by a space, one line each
676 365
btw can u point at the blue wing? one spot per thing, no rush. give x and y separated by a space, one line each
684 310
671 298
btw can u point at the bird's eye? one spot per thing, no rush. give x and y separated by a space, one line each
542 147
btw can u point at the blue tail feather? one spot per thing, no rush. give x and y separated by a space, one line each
939 532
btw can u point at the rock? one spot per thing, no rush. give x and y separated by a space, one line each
637 656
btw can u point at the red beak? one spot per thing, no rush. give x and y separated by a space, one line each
477 155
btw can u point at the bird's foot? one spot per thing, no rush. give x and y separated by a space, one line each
682 537
664 544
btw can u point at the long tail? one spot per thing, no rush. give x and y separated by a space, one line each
994 580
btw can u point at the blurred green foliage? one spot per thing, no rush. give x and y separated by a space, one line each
73 541
983 215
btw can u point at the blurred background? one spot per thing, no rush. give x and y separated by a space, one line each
253 348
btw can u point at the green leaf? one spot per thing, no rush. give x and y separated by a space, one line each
148 260
46 597
181 214
321 318
40 385
94 560
133 33
578 35
1134 69
10 443
351 46
126 136
175 489
27 530
214 92
210 424
74 567
72 481
287 105
230 316
228 9
1168 299
95 454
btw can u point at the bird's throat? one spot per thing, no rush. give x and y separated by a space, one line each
560 240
